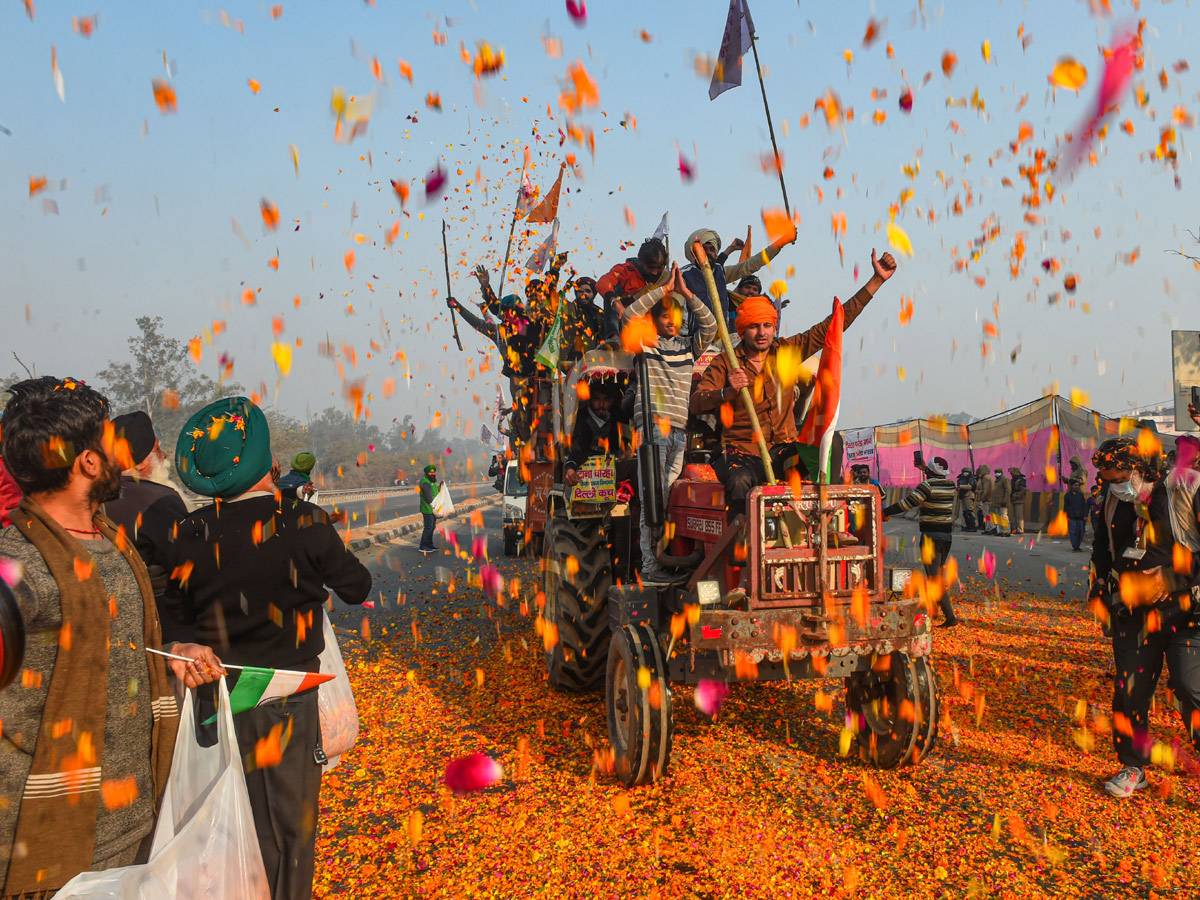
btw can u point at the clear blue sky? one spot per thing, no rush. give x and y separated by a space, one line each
145 224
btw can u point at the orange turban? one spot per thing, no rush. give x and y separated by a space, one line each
756 311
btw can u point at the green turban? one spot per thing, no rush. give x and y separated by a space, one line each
430 469
304 462
224 449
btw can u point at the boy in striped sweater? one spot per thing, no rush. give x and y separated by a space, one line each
669 365
935 497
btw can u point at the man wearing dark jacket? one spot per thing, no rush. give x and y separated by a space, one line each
148 507
297 484
966 498
1076 507
1146 603
627 281
597 429
935 497
249 573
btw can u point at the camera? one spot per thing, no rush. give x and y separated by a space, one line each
12 636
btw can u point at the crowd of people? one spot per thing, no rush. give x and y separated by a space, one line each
114 565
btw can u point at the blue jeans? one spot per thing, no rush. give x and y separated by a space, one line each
669 448
1075 529
427 535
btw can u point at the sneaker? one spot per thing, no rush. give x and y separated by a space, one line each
654 573
1126 782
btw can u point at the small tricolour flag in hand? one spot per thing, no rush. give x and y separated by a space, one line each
257 686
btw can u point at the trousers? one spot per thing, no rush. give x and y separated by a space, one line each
430 522
669 448
1075 529
284 797
1139 656
740 472
940 540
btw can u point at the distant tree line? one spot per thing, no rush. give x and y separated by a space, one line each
159 378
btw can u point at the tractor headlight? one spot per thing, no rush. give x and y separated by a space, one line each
708 592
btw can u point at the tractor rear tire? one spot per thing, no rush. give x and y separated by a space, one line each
888 727
577 604
929 709
638 704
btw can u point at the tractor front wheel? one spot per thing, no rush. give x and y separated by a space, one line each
638 704
895 709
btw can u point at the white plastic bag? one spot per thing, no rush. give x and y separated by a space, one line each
204 845
443 506
339 715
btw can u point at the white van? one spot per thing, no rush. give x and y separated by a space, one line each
515 496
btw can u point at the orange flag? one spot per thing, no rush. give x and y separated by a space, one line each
548 208
746 251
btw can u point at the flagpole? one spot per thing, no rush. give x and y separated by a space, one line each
770 127
511 230
453 319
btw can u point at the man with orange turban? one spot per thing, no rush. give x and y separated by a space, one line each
739 465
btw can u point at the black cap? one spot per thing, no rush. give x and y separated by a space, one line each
138 430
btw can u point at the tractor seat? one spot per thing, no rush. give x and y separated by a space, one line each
698 472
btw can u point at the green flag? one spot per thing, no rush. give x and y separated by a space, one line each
552 346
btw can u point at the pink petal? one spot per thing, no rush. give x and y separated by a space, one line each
472 773
709 695
493 583
577 10
479 547
10 571
368 604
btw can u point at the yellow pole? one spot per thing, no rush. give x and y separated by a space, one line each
727 343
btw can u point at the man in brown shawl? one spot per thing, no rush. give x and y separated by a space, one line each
89 728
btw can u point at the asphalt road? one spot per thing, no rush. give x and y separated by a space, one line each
1022 562
411 588
375 508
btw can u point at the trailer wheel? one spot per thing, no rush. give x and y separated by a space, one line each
929 709
638 705
885 706
577 575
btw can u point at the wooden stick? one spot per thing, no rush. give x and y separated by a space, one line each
770 128
727 343
453 318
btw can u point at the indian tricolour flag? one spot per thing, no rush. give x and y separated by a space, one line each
821 420
257 686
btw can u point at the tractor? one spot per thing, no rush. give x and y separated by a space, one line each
792 587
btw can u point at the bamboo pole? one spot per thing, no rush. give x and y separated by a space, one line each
770 127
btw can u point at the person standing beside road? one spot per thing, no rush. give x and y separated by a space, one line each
1145 603
966 497
1001 494
429 491
249 575
1016 501
935 497
985 486
297 484
1076 508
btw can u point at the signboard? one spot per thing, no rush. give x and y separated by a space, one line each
597 481
860 445
541 481
1185 358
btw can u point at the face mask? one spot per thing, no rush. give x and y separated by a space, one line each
1123 490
